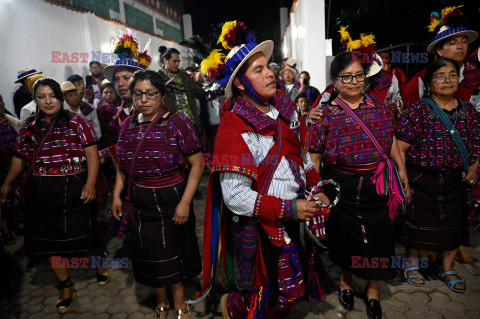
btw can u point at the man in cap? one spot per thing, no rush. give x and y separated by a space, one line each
73 104
86 93
181 88
289 62
23 96
289 86
262 170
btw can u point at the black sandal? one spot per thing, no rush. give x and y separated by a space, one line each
103 279
179 313
65 305
161 310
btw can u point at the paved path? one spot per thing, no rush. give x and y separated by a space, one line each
35 292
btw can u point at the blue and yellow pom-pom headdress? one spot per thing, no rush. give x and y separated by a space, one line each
126 48
448 23
240 41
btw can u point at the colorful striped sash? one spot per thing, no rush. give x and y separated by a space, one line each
386 176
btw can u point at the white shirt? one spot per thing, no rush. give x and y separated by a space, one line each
95 102
92 117
214 112
27 111
237 188
288 87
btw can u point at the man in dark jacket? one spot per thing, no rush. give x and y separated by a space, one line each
181 88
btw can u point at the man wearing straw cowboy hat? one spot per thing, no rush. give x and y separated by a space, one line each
289 86
121 75
450 40
260 169
22 96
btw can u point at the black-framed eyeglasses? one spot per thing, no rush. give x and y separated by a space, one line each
137 95
349 78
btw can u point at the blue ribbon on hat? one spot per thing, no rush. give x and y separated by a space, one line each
235 60
128 62
232 65
26 73
448 32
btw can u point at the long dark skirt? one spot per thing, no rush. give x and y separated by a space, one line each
359 232
163 254
433 220
57 222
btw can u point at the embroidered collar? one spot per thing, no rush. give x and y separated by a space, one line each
461 108
367 102
259 120
380 81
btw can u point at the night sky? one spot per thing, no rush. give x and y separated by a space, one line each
262 16
392 22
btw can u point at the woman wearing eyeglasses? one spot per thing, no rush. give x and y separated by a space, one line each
359 232
160 166
439 138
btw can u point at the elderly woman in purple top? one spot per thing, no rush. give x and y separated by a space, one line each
435 170
166 170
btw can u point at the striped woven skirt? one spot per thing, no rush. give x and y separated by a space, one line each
57 223
433 220
163 254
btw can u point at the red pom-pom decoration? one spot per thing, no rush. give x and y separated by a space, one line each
30 131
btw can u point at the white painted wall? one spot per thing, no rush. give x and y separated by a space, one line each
304 40
32 29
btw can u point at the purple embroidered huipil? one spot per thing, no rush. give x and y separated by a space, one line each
432 146
342 142
312 94
164 151
8 136
106 113
62 151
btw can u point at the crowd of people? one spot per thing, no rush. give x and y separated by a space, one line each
405 154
